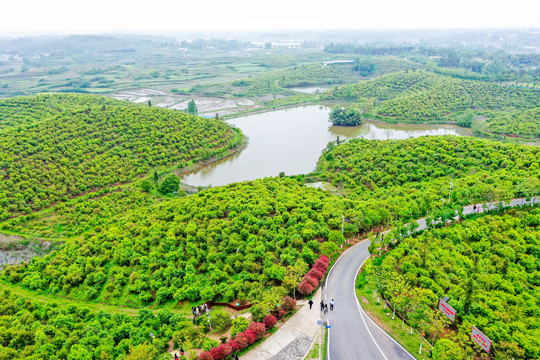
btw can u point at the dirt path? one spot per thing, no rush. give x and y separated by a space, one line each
90 305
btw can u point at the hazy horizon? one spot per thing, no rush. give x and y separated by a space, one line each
58 17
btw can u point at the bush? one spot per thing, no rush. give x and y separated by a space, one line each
235 345
258 312
221 352
242 340
258 328
238 325
251 336
281 314
316 274
220 320
270 321
206 356
288 304
324 259
170 184
312 281
305 288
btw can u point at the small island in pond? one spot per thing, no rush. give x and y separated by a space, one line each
345 117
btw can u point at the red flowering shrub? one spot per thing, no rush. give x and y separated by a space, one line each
281 314
251 336
305 287
221 352
316 274
314 282
242 340
320 267
258 328
323 259
288 303
270 321
206 356
235 345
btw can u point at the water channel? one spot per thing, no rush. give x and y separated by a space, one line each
291 141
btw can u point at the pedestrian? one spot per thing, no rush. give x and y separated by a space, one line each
310 302
474 208
325 308
322 305
332 304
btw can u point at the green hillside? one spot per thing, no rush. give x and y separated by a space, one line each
423 97
24 111
87 148
488 267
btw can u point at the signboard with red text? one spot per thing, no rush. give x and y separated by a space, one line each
447 310
481 339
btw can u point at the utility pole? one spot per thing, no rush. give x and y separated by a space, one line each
342 223
450 193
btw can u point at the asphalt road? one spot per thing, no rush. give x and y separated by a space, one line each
353 335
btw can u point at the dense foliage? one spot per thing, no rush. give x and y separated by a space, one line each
525 123
233 241
49 331
420 96
24 111
86 149
488 267
377 163
345 117
401 180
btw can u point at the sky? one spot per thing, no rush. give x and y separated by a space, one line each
53 16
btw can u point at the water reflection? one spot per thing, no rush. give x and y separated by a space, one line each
291 141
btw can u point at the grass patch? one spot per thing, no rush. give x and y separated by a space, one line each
367 296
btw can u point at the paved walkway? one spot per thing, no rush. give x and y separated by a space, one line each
291 339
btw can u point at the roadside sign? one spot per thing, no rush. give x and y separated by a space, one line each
319 322
481 339
447 310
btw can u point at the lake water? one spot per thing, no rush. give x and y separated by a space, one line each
291 141
309 89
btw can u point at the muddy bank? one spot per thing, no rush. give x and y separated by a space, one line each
16 249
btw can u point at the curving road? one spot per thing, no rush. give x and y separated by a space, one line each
353 335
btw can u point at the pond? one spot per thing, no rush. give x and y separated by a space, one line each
291 141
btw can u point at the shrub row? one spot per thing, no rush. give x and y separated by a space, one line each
314 276
251 335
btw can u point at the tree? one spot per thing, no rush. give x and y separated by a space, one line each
238 325
467 119
329 248
345 117
268 45
146 185
446 349
192 107
364 66
221 319
170 184
142 352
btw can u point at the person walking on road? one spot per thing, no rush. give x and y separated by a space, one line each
322 305
326 308
310 302
332 304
